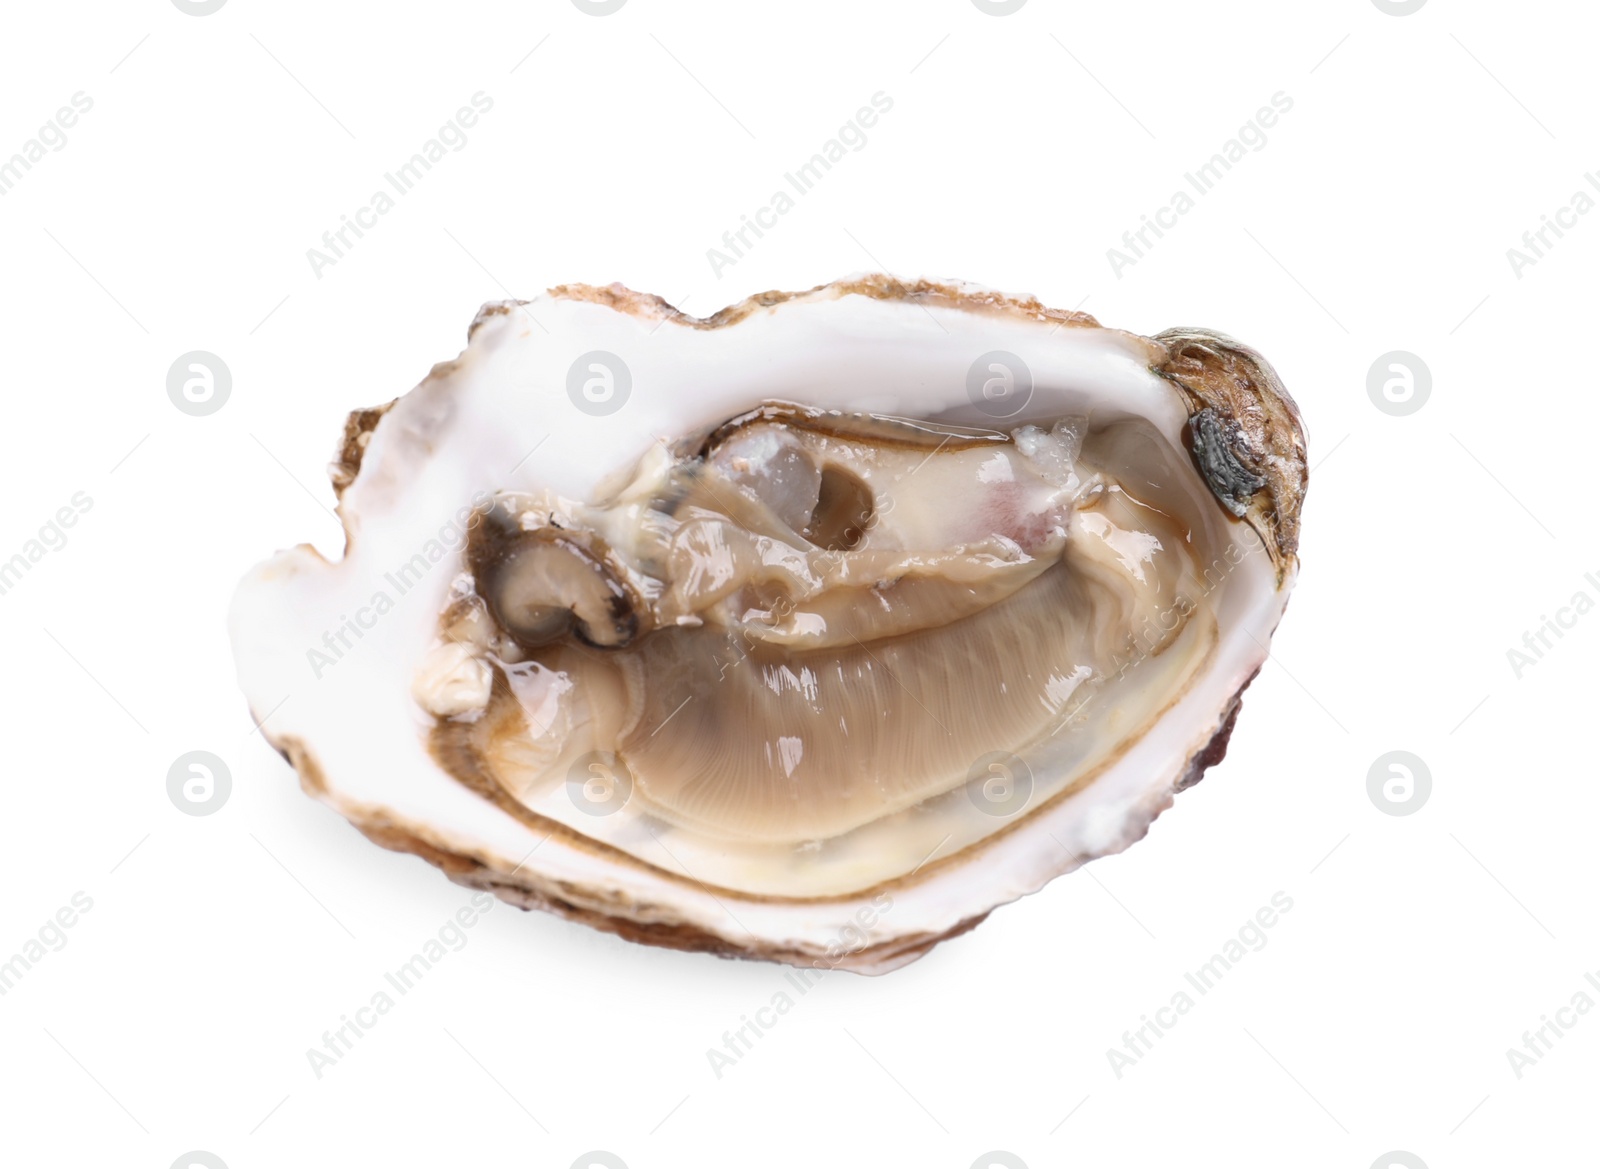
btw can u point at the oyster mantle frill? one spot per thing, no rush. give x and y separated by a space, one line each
810 631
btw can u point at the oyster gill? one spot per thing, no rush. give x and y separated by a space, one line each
805 649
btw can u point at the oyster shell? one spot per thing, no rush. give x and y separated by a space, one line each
810 631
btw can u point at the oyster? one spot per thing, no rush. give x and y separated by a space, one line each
810 631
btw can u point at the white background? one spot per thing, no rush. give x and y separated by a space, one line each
178 1014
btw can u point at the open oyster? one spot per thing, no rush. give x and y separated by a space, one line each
813 630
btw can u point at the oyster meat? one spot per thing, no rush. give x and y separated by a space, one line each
810 631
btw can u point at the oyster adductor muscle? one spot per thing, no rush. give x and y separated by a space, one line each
810 631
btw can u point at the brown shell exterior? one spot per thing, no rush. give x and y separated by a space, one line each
358 430
1236 382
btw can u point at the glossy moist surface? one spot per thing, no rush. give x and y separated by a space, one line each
800 656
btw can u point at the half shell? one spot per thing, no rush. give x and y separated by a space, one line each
811 631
